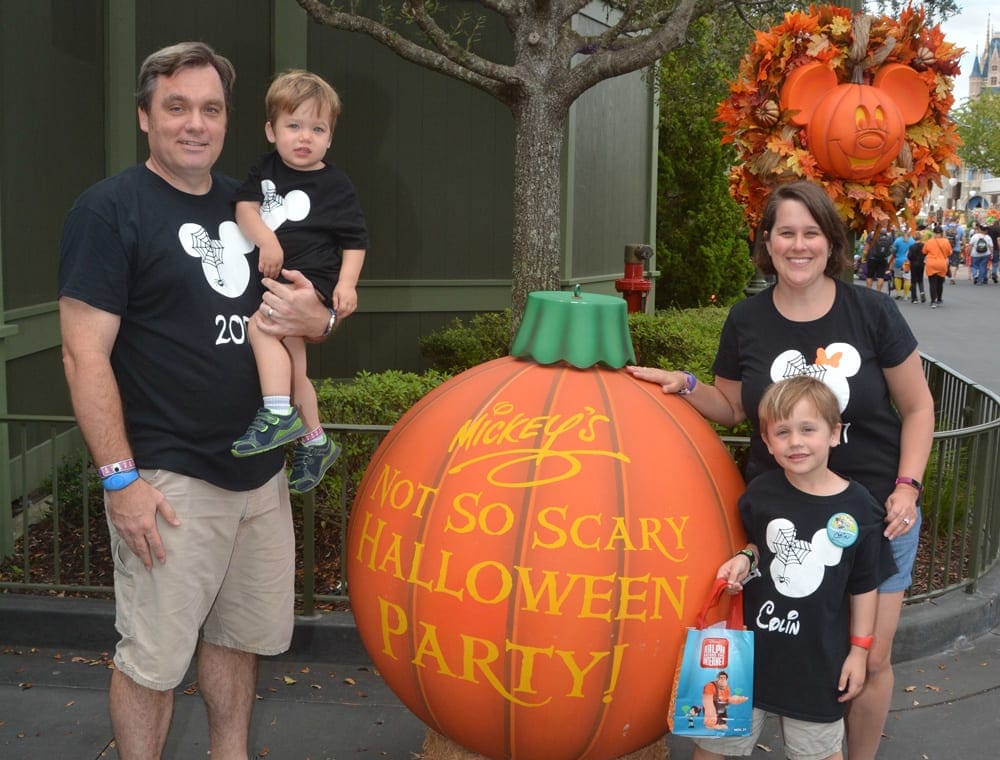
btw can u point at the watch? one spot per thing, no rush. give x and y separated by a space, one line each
913 482
119 480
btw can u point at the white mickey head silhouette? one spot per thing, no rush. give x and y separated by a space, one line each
276 209
224 260
798 566
833 364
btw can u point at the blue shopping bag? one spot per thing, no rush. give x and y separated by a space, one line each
713 686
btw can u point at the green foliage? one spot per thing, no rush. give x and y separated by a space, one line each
979 127
678 339
71 488
370 399
458 346
702 242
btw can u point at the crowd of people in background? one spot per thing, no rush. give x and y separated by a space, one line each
895 260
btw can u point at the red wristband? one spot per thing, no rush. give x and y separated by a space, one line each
865 642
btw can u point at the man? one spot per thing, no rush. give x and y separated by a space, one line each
156 286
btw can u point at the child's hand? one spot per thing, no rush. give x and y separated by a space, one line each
852 674
734 570
271 259
345 300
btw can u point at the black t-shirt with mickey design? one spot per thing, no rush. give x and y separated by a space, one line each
799 607
184 281
847 348
315 215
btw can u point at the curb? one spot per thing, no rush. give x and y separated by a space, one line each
925 628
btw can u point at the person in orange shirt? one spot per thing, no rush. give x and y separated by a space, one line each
937 250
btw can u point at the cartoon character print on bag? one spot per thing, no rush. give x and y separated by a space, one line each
799 565
223 261
834 365
277 209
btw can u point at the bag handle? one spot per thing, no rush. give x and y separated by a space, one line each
735 619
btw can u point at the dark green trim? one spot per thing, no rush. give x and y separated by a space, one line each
120 77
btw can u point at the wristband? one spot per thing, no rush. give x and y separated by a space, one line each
748 553
865 642
692 381
120 480
329 325
110 469
912 482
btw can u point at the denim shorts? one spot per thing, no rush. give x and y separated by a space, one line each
904 552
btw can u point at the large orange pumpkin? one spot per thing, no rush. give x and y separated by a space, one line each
526 549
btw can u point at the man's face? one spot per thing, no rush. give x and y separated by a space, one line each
186 126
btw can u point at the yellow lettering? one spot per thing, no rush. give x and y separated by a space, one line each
396 628
676 599
620 533
543 520
393 557
429 645
576 672
575 532
469 524
547 587
504 585
490 655
527 668
367 539
626 596
590 595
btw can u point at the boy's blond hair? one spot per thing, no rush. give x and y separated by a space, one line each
780 398
290 89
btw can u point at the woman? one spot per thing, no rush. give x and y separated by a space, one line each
856 341
937 250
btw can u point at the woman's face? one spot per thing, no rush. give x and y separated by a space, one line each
799 249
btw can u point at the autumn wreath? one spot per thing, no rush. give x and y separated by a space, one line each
773 144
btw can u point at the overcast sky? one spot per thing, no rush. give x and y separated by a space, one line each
968 30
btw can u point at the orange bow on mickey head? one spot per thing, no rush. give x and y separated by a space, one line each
829 361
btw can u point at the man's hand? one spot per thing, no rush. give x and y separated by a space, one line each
292 308
133 512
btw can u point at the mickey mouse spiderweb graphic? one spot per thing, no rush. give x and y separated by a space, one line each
211 252
789 550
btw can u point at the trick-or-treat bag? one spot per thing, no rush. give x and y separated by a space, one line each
713 685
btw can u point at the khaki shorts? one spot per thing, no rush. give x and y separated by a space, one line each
803 739
229 574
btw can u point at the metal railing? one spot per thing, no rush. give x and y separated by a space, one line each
960 540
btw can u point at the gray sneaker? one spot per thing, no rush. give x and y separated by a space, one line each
310 463
268 431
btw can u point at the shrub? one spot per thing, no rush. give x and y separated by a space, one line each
458 346
370 399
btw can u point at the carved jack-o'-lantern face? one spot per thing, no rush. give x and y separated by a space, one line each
855 131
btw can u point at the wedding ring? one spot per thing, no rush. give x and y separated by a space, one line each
270 312
906 521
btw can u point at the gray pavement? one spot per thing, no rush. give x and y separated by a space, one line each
324 699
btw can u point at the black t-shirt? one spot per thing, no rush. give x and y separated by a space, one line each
847 349
916 254
316 215
814 552
176 269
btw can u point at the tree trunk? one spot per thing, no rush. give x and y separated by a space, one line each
539 122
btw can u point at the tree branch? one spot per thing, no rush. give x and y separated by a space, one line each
625 54
496 79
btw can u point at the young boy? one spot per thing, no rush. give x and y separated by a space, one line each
813 606
303 214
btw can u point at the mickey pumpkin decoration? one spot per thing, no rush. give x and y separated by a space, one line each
856 103
855 130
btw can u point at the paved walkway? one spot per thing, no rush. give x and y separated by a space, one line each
317 705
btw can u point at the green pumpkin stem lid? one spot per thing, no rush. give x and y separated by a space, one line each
582 329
